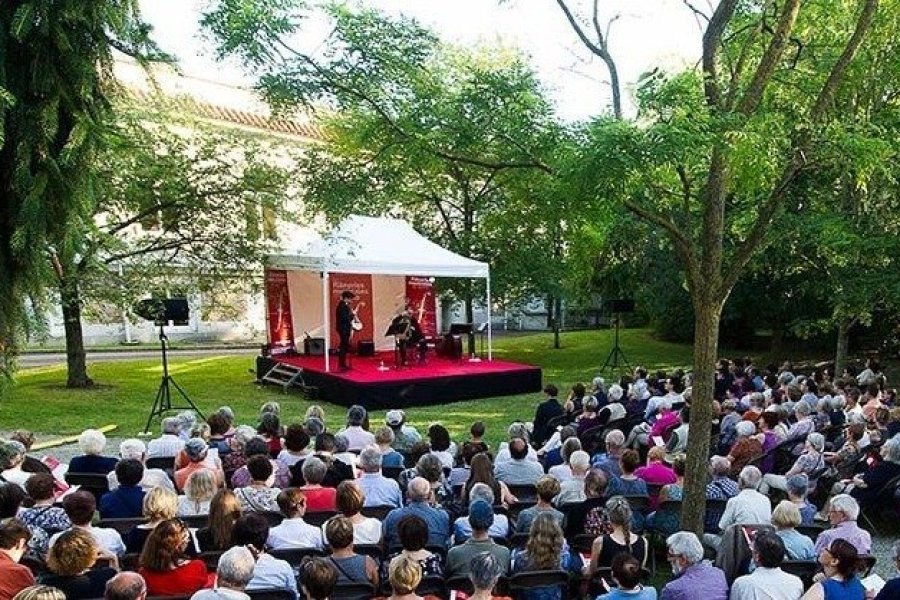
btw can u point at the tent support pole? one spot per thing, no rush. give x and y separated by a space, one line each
325 319
489 336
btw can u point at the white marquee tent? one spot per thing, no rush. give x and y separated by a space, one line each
379 246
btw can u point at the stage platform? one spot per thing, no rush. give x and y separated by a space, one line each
438 381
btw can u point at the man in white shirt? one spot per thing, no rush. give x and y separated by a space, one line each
80 507
135 449
749 507
294 532
170 442
233 573
357 437
517 429
768 581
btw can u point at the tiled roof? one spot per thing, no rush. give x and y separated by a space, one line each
243 118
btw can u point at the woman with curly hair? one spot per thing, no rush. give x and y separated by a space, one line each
545 550
70 560
224 511
165 565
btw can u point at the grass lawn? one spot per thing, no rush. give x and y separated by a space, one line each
39 400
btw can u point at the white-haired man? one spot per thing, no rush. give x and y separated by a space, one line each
418 493
135 449
233 573
377 489
170 442
694 578
749 507
843 511
609 462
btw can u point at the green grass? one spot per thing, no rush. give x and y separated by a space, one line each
39 400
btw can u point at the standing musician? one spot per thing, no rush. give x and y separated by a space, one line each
344 319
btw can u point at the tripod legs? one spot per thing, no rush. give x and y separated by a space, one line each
163 401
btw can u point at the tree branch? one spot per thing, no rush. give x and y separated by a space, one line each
712 37
770 58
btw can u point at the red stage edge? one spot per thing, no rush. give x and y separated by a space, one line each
376 384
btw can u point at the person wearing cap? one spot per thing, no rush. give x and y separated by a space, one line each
344 324
459 558
404 435
196 450
357 437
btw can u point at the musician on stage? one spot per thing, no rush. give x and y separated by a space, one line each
409 335
344 319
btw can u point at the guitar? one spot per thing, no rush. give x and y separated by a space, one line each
357 324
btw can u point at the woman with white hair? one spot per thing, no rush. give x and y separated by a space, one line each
12 457
811 463
92 442
745 448
572 489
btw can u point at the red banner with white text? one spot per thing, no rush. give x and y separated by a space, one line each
278 309
420 299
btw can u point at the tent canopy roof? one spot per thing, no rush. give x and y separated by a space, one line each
380 246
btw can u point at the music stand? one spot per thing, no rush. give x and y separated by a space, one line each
399 324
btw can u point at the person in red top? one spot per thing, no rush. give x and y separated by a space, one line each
14 577
318 498
165 565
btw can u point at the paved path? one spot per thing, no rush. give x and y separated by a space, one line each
43 359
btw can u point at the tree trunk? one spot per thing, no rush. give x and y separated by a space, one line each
76 358
550 304
557 322
842 349
706 347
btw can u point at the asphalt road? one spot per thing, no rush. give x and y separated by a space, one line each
44 359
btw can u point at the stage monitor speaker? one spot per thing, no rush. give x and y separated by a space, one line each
621 305
314 346
365 348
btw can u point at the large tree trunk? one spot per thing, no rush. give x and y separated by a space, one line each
842 347
707 312
557 322
76 358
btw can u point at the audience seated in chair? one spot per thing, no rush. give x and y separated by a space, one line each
546 550
135 449
462 527
224 511
158 506
259 495
293 531
169 443
80 507
785 519
843 511
405 575
14 577
481 520
767 580
126 585
627 484
350 502
413 535
126 501
165 564
92 443
404 435
694 577
198 493
351 567
44 514
547 489
252 531
357 436
545 412
572 489
620 539
484 573
233 573
839 560
609 462
71 561
377 489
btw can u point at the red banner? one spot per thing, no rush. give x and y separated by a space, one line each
278 307
420 299
361 285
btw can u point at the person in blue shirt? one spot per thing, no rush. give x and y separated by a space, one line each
127 500
92 442
626 573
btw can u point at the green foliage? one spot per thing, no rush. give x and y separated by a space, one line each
55 59
458 141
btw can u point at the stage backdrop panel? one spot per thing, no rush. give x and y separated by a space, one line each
278 311
390 298
361 285
306 305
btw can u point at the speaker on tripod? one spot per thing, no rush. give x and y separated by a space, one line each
161 312
617 359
